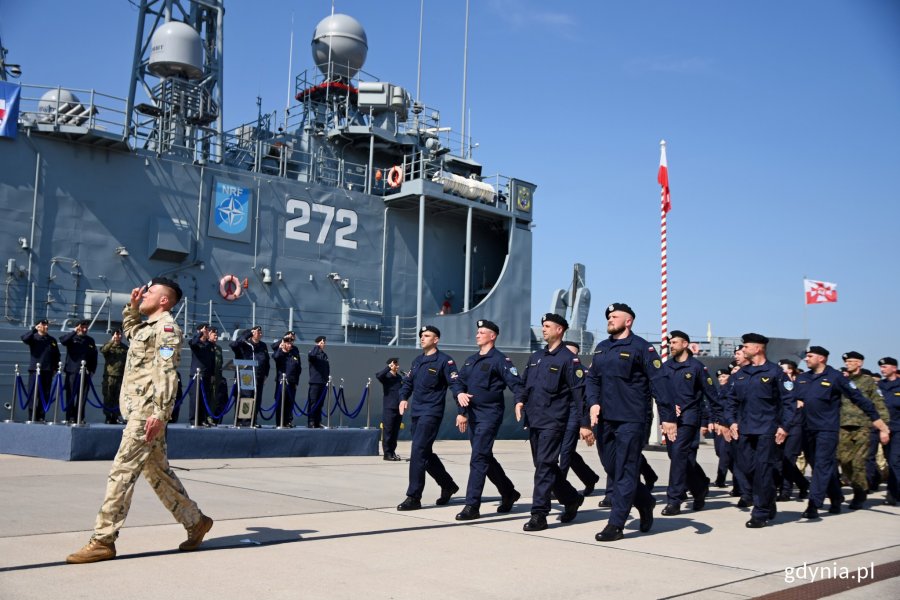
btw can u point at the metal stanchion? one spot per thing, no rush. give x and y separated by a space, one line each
34 395
196 401
79 422
279 406
368 407
341 417
59 395
12 405
328 402
237 399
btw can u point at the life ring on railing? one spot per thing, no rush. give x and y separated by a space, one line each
395 177
230 287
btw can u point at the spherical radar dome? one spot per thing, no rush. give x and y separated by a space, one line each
176 49
346 39
55 99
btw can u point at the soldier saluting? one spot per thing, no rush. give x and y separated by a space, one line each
114 354
44 352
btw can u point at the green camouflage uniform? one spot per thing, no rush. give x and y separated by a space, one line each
114 367
853 443
149 389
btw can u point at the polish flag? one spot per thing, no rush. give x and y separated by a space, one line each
819 292
663 178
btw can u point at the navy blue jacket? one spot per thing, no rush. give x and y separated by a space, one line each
485 377
390 385
245 349
553 386
427 383
624 375
203 356
288 363
821 395
759 399
691 386
79 348
319 368
43 350
890 391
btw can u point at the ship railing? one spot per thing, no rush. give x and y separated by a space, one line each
88 109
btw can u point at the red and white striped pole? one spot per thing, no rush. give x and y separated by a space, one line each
665 206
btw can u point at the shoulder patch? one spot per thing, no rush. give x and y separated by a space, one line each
657 363
514 371
651 349
766 379
579 373
788 385
853 385
450 362
709 380
168 329
880 394
166 352
575 360
687 375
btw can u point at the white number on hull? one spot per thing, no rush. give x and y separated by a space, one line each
293 226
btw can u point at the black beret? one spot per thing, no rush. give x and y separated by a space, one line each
116 330
720 372
256 328
575 344
754 338
202 325
489 325
555 318
853 354
818 350
212 329
392 360
792 364
731 366
888 360
619 306
680 334
289 333
43 322
169 283
430 328
321 338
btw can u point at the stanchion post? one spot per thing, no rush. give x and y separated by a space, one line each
341 416
59 393
237 397
368 406
34 395
196 400
279 406
78 416
328 389
15 398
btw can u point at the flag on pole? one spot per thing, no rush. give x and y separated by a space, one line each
663 177
9 109
819 292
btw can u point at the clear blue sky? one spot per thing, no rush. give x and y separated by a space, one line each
782 121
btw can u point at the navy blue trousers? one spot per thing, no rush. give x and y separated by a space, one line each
820 449
390 423
569 457
483 428
422 459
38 390
757 454
548 477
314 418
684 472
893 456
622 445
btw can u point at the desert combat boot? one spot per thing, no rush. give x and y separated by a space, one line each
196 534
93 551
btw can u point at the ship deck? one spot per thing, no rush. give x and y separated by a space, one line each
326 527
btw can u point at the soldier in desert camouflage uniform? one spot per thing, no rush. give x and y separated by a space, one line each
147 397
853 443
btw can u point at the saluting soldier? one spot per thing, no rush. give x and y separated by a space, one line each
44 351
854 442
319 371
821 389
249 346
432 372
202 359
391 381
626 373
287 363
114 354
483 377
79 347
147 398
219 388
553 387
889 388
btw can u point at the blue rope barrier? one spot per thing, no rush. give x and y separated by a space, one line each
40 395
314 407
56 386
352 414
20 388
338 394
93 390
184 395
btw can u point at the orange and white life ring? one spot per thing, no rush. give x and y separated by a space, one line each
230 287
395 177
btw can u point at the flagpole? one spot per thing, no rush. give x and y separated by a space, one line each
805 309
664 278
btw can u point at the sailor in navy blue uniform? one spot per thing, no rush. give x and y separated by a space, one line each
79 347
553 387
44 352
249 346
483 377
722 446
319 371
889 388
691 387
568 456
203 358
759 407
391 379
820 390
289 365
787 473
625 374
431 374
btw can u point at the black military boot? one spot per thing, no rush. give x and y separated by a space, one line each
859 498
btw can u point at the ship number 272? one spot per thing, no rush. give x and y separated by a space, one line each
294 227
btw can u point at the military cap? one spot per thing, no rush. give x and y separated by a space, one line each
723 372
489 325
169 283
116 330
792 364
202 325
619 306
256 328
43 322
575 344
289 333
212 329
888 360
680 334
555 318
853 354
393 359
818 350
320 338
84 323
430 328
754 338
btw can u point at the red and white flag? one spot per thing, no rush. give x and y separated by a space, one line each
819 292
663 178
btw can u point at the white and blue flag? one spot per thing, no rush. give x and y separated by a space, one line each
9 108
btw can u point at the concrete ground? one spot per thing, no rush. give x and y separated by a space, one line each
328 528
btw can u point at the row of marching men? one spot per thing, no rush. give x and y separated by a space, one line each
608 403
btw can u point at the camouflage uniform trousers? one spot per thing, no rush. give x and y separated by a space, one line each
111 388
852 451
136 456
